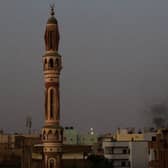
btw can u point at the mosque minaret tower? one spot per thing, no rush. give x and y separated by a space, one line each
52 132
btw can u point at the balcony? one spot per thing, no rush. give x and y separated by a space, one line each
117 156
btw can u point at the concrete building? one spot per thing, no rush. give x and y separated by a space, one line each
127 148
129 134
70 136
7 141
126 154
138 154
17 149
88 139
158 150
117 153
26 151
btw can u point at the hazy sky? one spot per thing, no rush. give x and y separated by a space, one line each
115 62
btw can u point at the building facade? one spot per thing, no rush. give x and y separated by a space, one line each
52 132
126 154
72 137
158 150
127 148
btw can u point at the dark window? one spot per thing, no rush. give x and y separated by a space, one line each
155 154
57 62
123 163
61 132
51 64
124 151
56 135
45 61
154 138
51 103
44 135
52 163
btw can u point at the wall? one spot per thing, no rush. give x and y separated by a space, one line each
138 154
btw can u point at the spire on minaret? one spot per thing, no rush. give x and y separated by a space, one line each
52 9
52 32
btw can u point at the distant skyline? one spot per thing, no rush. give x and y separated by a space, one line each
115 62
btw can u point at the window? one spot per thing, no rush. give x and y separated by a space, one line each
49 135
51 163
57 62
44 135
155 154
45 64
45 61
51 64
153 138
56 135
123 163
109 150
51 103
124 151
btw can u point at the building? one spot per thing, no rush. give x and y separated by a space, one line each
70 136
26 151
126 154
158 150
52 132
88 139
17 150
7 141
127 148
129 134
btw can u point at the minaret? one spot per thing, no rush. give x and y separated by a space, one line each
52 132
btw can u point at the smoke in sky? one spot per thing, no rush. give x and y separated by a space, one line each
159 114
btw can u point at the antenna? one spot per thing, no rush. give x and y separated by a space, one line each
29 124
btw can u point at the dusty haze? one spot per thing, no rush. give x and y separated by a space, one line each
115 62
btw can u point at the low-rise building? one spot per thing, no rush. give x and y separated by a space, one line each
126 154
158 150
129 134
127 148
88 139
72 137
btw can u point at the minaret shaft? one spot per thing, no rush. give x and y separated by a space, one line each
52 103
52 132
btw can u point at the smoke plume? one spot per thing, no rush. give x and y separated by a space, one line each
159 115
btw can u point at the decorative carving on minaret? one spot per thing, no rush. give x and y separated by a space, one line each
52 133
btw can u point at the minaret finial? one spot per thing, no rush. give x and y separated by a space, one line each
52 6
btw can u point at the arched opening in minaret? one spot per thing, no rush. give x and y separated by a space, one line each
56 135
45 64
62 134
51 103
51 163
57 62
51 63
45 61
44 135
